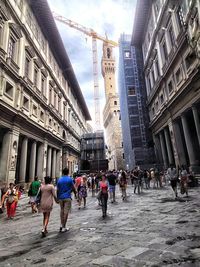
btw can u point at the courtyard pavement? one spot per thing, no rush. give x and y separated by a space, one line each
150 229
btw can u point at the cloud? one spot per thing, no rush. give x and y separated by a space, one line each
111 17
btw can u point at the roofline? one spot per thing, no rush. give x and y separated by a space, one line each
140 21
48 26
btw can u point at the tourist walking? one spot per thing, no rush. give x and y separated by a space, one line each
32 192
132 178
112 184
82 192
184 181
146 179
48 195
103 195
93 185
11 198
172 175
123 185
65 186
136 180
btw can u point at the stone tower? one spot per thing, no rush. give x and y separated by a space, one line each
111 112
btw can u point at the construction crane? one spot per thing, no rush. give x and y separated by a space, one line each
95 36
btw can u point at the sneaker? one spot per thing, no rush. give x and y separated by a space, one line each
65 230
60 230
43 233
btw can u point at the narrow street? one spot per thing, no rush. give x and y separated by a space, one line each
151 229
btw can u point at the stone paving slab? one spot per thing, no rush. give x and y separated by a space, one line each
150 229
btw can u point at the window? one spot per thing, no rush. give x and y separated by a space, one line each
35 110
153 111
25 103
179 16
149 83
153 76
59 104
108 53
115 103
157 68
43 84
190 60
127 54
50 94
164 51
55 100
131 91
9 90
161 99
11 48
178 76
156 106
42 115
171 36
50 121
35 79
1 33
170 87
27 67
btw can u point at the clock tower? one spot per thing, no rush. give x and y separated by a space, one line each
111 112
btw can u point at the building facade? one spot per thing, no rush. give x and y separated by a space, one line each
42 110
134 114
93 152
111 112
168 33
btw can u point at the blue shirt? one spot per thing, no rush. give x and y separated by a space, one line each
64 187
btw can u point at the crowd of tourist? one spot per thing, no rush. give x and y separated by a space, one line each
102 185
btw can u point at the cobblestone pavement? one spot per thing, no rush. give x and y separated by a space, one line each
151 229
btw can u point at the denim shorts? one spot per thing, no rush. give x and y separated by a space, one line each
111 188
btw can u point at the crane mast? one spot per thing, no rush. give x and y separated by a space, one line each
95 36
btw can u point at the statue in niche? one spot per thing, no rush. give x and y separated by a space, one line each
13 160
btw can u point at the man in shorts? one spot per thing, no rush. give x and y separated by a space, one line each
65 186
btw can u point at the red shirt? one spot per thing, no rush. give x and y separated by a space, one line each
78 181
103 187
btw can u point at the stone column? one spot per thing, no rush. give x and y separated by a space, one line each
40 160
179 144
44 168
49 161
54 164
168 145
23 160
157 148
163 149
188 140
197 123
58 164
173 142
32 162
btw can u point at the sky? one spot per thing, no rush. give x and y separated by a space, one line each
110 17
